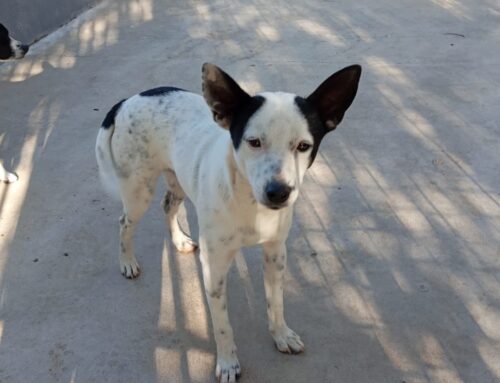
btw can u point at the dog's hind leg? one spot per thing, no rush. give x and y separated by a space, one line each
171 203
136 196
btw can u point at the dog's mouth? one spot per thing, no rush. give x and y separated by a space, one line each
275 206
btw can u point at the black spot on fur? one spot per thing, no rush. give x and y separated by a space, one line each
316 127
170 200
241 116
226 240
110 117
217 293
161 91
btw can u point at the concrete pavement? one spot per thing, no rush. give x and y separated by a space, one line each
394 256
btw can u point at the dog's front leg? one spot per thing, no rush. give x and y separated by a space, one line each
216 262
274 274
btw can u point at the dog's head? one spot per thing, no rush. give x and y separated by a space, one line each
10 48
276 135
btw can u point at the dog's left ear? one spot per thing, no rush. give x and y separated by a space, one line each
3 31
334 96
222 94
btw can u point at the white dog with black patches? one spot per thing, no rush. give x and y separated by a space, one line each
9 49
243 179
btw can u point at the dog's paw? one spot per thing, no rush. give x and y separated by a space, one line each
130 269
8 177
227 370
184 244
287 341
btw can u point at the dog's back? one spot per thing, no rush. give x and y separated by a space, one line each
150 133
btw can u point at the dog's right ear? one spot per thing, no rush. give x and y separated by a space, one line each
222 94
334 96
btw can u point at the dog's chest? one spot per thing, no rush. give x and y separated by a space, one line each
263 226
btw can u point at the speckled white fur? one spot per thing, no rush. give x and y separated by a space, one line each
174 135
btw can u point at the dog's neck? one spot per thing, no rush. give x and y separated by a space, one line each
240 188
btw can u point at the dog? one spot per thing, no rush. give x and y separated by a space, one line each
240 159
10 49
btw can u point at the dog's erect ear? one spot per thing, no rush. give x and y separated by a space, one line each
3 31
222 94
334 96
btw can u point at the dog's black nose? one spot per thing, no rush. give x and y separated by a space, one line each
277 192
25 48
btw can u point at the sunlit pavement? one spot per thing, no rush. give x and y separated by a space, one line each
394 256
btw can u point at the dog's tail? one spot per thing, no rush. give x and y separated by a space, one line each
104 153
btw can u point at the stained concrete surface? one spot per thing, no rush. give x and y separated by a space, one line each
29 20
394 270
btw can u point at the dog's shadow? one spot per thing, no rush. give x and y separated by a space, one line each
16 128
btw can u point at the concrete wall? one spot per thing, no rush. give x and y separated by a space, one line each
29 20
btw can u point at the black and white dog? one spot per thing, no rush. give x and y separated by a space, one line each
9 49
243 179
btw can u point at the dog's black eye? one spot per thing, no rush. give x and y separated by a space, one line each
254 142
303 147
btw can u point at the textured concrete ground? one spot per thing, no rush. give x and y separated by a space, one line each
394 269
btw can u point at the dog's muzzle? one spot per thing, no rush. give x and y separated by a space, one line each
277 194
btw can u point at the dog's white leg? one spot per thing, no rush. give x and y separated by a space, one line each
129 266
136 197
216 262
285 339
171 203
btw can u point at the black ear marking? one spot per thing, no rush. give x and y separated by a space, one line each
222 94
334 96
3 31
5 48
325 107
